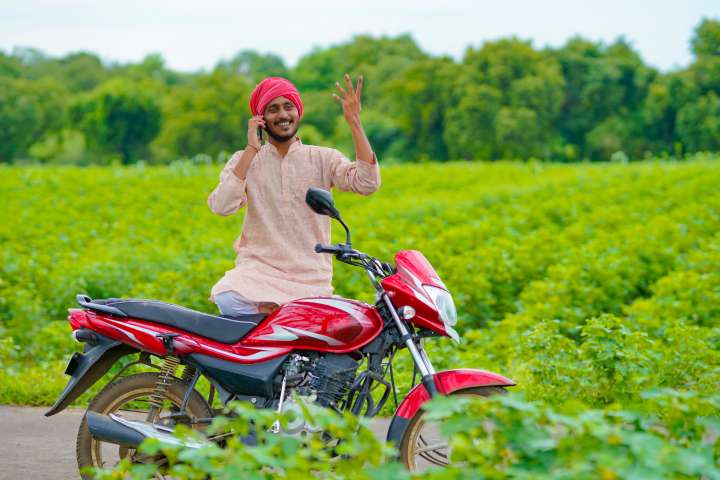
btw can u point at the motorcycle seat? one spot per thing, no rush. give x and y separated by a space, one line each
221 328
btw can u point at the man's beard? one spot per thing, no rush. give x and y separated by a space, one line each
282 138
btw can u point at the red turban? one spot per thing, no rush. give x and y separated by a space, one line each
271 88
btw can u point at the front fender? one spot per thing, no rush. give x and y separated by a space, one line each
86 368
446 382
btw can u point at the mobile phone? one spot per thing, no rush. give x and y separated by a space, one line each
259 133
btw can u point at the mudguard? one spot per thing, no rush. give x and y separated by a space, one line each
86 368
446 382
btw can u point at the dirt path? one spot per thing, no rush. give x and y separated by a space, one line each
35 447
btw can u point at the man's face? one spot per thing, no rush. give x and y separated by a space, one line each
281 119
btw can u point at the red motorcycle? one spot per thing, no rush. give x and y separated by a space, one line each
309 349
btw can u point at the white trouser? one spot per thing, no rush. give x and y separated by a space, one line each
233 304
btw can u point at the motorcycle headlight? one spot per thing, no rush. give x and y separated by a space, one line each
444 303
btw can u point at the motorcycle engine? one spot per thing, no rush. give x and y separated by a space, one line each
324 380
331 379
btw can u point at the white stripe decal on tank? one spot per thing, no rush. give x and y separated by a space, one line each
279 333
317 336
347 307
288 334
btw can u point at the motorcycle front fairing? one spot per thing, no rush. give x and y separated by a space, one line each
409 286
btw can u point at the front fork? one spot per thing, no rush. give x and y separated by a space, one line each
418 353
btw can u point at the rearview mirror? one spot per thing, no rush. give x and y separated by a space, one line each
321 202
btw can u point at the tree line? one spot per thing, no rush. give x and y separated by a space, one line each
504 99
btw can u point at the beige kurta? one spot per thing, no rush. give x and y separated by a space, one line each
276 260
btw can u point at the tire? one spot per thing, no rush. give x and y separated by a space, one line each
122 392
413 434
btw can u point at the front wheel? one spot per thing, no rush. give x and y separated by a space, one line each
422 446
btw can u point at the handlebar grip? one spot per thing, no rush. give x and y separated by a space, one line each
320 248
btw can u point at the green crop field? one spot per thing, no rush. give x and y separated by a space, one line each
595 286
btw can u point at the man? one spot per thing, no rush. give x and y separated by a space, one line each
276 261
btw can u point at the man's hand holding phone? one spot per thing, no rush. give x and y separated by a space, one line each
255 126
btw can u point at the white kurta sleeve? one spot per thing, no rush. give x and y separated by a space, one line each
229 196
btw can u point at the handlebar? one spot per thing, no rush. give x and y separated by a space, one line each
346 254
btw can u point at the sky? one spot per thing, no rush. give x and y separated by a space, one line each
194 35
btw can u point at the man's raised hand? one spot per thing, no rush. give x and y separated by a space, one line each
350 99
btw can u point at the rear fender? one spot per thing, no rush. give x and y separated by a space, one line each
446 382
86 368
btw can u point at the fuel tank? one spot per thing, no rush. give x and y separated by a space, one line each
327 324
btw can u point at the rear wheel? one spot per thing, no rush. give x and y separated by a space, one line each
423 446
129 397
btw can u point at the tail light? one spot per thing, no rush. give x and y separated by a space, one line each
77 318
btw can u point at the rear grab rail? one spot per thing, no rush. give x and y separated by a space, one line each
87 302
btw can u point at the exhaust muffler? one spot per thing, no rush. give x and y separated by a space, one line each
130 433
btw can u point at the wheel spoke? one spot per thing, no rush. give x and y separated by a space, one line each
442 462
432 448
